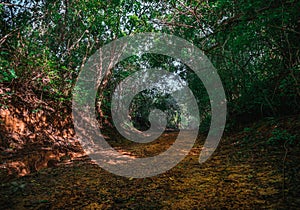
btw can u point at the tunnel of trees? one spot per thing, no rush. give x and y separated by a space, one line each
254 46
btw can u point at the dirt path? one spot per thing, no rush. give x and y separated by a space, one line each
236 177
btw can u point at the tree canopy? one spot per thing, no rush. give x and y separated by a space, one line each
254 46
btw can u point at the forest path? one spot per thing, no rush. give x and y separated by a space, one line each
236 176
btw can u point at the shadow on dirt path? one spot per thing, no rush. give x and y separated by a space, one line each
238 176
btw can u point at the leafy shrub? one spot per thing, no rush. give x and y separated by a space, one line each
279 136
7 74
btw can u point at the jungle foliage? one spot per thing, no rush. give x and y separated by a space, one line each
254 46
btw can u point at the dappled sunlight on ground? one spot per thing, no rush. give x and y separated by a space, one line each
235 177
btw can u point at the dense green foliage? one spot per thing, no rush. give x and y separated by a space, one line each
254 45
